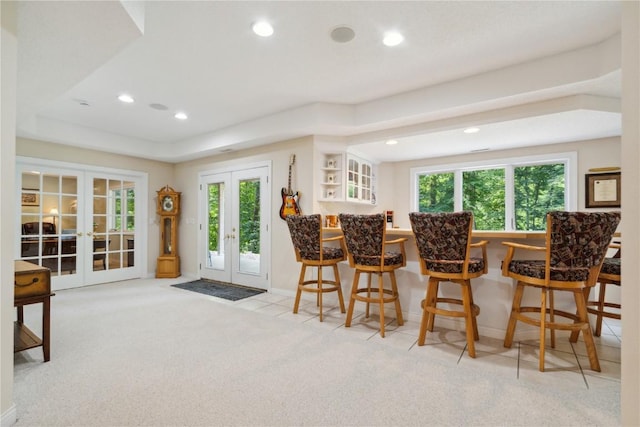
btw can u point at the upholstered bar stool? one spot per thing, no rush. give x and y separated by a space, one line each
610 274
444 245
306 235
576 245
365 236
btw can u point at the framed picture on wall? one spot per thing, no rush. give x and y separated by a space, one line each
30 199
602 190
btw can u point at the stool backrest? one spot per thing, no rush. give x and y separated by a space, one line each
579 239
305 234
363 234
442 236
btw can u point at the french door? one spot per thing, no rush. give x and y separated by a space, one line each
235 229
80 224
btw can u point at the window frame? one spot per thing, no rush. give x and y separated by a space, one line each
569 159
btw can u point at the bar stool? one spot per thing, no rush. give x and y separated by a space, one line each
444 245
576 245
306 235
365 236
610 274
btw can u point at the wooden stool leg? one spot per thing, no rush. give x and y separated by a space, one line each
586 330
599 316
552 319
543 318
352 298
575 333
474 319
299 291
515 309
394 287
366 314
468 311
319 302
425 316
381 296
432 301
336 274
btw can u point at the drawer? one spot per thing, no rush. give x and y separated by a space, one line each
32 283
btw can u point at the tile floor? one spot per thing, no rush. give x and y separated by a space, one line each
567 364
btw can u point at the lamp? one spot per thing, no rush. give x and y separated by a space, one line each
54 213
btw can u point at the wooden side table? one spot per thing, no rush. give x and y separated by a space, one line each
32 285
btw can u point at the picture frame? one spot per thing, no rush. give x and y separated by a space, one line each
30 199
602 190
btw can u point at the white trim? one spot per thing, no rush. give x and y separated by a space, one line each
202 207
9 417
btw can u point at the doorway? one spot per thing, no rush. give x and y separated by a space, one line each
235 236
81 224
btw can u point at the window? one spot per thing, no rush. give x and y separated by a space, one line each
122 208
507 194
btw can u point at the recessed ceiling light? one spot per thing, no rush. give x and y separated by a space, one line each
181 116
392 38
262 28
391 142
472 130
342 34
126 98
160 107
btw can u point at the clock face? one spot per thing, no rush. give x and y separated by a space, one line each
167 204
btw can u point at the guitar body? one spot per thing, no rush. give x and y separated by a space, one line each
289 204
289 198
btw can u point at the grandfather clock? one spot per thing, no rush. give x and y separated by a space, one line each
168 208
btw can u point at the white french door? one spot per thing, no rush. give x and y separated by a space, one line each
83 225
235 228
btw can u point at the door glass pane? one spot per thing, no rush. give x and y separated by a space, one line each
249 232
128 223
48 221
113 232
216 226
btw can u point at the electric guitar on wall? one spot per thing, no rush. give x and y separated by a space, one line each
289 198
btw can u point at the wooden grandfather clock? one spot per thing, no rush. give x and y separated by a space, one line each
168 207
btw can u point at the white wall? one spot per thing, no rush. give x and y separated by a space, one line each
631 211
7 205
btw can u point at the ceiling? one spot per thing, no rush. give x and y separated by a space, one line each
525 73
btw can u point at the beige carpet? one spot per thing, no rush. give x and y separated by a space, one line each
144 353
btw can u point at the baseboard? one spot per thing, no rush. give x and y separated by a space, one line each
9 417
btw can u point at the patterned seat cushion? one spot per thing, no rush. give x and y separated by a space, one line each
390 258
535 268
327 254
444 266
611 266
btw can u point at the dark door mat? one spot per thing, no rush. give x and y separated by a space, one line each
221 290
